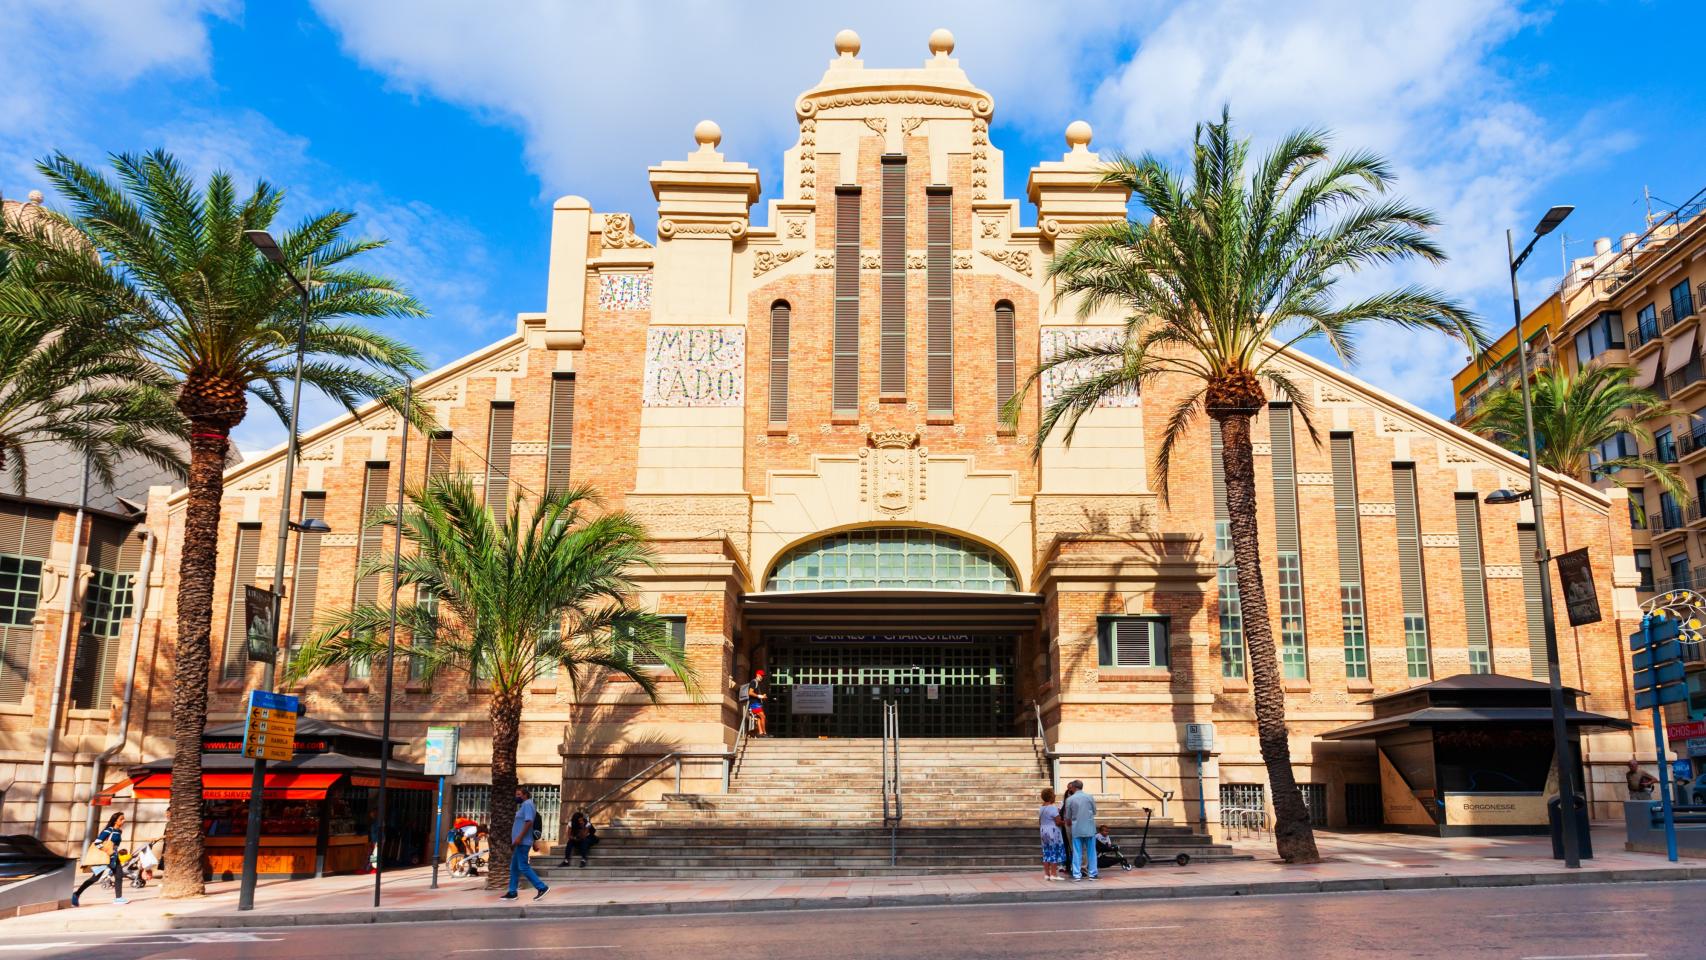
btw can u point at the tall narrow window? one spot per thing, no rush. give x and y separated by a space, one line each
844 369
1348 524
1294 650
114 552
1412 583
1533 603
305 586
26 539
1006 366
560 454
498 441
939 289
427 600
893 341
245 556
372 543
677 625
781 320
1474 583
439 447
1231 610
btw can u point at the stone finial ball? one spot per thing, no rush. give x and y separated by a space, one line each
942 41
708 133
36 196
1077 134
847 43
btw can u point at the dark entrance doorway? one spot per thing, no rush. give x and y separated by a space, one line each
947 685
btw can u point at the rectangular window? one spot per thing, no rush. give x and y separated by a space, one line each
1604 332
1315 801
1644 567
439 447
939 293
1647 323
893 339
371 545
427 600
560 454
844 371
1131 642
1349 532
1637 509
115 550
1412 581
305 585
1006 366
1679 570
677 624
245 555
1472 564
1682 300
1670 512
26 539
499 439
1243 796
1664 445
1532 605
1230 610
1294 651
781 319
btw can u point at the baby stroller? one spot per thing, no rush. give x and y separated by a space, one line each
133 867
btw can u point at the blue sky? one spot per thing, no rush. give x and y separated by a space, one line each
451 126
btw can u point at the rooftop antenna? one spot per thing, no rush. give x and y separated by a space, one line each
1647 194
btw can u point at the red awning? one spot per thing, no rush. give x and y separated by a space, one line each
235 786
391 783
118 791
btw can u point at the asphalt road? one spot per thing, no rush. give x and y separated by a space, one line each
1644 921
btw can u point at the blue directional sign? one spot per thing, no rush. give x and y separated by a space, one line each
1648 699
1662 629
1658 653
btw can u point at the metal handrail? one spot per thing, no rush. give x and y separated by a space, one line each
1103 759
732 768
1039 743
674 758
891 778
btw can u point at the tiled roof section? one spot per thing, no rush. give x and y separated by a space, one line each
56 476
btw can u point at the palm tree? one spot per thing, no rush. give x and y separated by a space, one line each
64 382
506 601
1229 272
1574 415
170 263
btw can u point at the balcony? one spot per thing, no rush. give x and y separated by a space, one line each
1685 380
1642 334
1504 375
1665 522
1690 444
1695 513
1665 453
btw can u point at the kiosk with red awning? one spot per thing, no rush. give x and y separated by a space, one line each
319 805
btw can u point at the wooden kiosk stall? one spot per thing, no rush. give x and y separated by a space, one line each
318 811
1470 755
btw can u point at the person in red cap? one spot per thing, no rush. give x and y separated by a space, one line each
754 695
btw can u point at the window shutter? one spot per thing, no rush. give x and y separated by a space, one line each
1132 642
939 302
372 543
246 555
780 320
498 441
25 531
1474 584
561 452
845 362
1006 371
1532 604
1412 579
438 453
893 342
1285 478
1345 509
305 585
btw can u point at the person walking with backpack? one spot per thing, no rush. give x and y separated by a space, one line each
1081 817
522 837
107 842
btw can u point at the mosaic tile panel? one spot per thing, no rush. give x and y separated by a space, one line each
625 291
695 366
1057 340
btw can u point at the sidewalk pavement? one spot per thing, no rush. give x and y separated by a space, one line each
1353 861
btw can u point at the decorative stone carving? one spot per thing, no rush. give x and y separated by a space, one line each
1314 479
259 483
915 261
980 107
989 227
870 261
1504 572
1018 261
339 539
1390 424
512 363
879 124
1261 449
980 159
1049 227
529 448
320 453
695 366
619 232
733 228
796 228
1439 539
808 159
825 261
1378 509
962 261
1328 393
890 469
766 260
1057 379
909 124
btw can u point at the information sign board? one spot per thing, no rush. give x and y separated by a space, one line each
270 732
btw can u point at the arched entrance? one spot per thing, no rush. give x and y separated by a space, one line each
928 619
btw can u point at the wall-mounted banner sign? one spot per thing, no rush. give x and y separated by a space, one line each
442 744
1580 598
695 366
260 624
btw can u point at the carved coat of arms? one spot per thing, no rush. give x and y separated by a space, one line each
891 466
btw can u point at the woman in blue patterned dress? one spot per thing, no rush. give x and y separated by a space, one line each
1054 843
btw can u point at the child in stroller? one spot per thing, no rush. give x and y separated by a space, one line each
1108 852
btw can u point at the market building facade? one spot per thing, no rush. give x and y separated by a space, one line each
806 411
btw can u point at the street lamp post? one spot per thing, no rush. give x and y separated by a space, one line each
1542 559
391 643
269 248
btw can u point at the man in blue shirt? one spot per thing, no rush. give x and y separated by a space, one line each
1080 814
521 842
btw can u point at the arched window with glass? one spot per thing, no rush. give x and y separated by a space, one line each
892 559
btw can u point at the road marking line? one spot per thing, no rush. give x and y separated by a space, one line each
600 946
1574 913
42 946
1025 933
1591 956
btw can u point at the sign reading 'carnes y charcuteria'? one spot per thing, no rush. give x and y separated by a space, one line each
695 366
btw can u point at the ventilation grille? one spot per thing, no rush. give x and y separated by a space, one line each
246 554
939 290
561 454
845 367
894 276
1532 604
305 587
1006 370
372 544
439 446
1474 584
1345 509
1285 479
498 443
781 319
1410 577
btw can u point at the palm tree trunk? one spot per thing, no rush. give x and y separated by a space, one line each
505 712
192 659
1292 834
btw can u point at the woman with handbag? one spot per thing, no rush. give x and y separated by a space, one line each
107 842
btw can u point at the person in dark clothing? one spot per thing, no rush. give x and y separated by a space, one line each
755 697
1108 852
107 841
582 836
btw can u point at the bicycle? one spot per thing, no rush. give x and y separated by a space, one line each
469 864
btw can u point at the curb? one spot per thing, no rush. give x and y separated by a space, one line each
1074 895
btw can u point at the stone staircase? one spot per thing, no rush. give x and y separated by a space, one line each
813 808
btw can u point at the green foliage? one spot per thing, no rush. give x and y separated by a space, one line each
1234 266
510 597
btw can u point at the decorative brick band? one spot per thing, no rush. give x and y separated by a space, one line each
1378 509
1510 572
1314 479
1439 539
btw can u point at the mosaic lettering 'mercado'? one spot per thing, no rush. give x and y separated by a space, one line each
695 366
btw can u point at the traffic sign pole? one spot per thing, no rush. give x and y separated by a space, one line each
1659 745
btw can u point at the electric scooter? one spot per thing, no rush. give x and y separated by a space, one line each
1142 858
